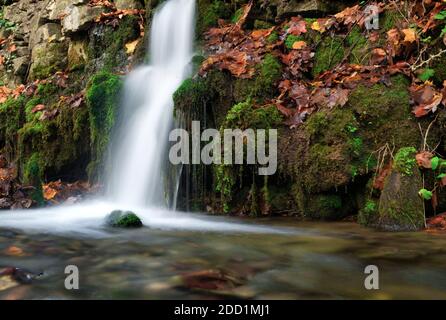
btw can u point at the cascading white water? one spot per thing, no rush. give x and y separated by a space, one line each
137 175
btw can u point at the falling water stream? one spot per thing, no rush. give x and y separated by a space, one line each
140 160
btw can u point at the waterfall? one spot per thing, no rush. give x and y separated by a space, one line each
137 181
139 160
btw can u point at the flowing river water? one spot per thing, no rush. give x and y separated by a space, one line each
315 261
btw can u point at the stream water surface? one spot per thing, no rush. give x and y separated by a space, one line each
305 261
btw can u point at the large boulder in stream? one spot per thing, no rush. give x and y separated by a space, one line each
123 219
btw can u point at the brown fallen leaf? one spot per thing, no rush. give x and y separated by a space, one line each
37 108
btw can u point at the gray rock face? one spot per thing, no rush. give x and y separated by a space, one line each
127 4
79 18
287 8
20 66
56 8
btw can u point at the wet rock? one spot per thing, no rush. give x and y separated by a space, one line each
11 277
47 58
5 203
287 8
77 53
20 66
79 18
127 4
55 8
47 33
123 219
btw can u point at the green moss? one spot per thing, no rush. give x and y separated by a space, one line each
273 37
237 15
328 54
374 105
33 174
11 119
404 161
356 145
243 115
291 39
389 20
334 155
439 70
368 214
360 52
209 11
260 24
325 207
106 49
102 97
225 182
191 94
270 72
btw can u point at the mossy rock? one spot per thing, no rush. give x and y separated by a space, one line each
329 53
33 174
209 11
123 219
48 58
400 207
103 101
324 207
368 214
360 49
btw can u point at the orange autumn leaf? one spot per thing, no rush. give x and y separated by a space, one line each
14 251
410 35
299 45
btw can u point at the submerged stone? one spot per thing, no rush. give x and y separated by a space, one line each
123 219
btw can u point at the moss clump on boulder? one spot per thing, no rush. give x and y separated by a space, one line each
243 116
123 219
33 176
209 11
102 97
400 207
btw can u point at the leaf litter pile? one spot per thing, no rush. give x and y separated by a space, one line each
404 49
